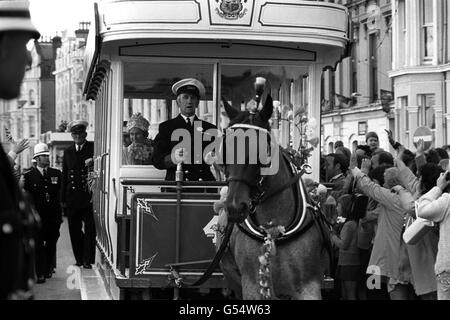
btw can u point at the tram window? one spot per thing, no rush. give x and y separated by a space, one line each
287 86
148 91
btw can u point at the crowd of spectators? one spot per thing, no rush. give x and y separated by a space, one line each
371 196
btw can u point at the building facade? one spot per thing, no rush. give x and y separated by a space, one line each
69 75
353 90
421 69
34 111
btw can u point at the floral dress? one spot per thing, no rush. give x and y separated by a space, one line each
140 153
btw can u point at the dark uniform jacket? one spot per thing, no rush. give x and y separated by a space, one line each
74 188
18 226
45 192
164 147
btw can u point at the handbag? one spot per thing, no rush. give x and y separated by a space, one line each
415 229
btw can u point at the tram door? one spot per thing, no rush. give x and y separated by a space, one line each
102 168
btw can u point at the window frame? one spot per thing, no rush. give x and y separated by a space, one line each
217 72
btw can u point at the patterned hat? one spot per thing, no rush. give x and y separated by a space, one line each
15 16
138 121
189 85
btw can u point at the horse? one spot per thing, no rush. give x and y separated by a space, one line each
265 257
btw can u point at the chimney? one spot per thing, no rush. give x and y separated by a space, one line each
56 43
83 30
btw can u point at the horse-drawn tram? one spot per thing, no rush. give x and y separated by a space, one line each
156 231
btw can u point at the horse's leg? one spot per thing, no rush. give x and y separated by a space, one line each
250 288
299 265
229 267
246 251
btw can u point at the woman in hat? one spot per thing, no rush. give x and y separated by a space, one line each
140 151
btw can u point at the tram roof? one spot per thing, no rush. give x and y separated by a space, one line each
120 22
277 20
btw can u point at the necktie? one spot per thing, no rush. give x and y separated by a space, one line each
45 172
188 121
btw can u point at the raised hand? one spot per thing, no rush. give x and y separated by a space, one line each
400 152
353 161
21 146
442 181
420 147
390 136
366 165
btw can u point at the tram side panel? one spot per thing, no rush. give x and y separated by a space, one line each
157 245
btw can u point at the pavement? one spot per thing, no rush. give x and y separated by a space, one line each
70 282
63 285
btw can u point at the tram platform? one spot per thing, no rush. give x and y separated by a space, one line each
70 282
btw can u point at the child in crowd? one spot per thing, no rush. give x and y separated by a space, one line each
348 263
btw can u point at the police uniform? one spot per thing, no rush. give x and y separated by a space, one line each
76 196
44 186
197 169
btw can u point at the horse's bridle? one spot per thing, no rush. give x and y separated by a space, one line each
262 195
258 185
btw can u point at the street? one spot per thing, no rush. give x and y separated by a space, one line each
56 288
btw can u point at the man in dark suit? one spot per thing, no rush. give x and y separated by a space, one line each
16 220
76 196
167 153
44 185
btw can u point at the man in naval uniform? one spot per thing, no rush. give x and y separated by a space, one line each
76 196
17 224
188 92
44 185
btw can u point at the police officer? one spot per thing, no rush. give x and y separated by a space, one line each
188 92
16 220
75 194
44 185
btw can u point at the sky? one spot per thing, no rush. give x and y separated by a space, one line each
51 16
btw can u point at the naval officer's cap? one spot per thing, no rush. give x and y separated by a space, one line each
189 85
78 126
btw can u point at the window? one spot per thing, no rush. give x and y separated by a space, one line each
362 128
32 126
373 67
289 86
427 29
403 30
332 89
354 67
148 91
426 111
31 98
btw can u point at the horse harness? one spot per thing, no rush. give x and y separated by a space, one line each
274 235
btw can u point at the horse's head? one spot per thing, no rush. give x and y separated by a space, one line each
245 136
